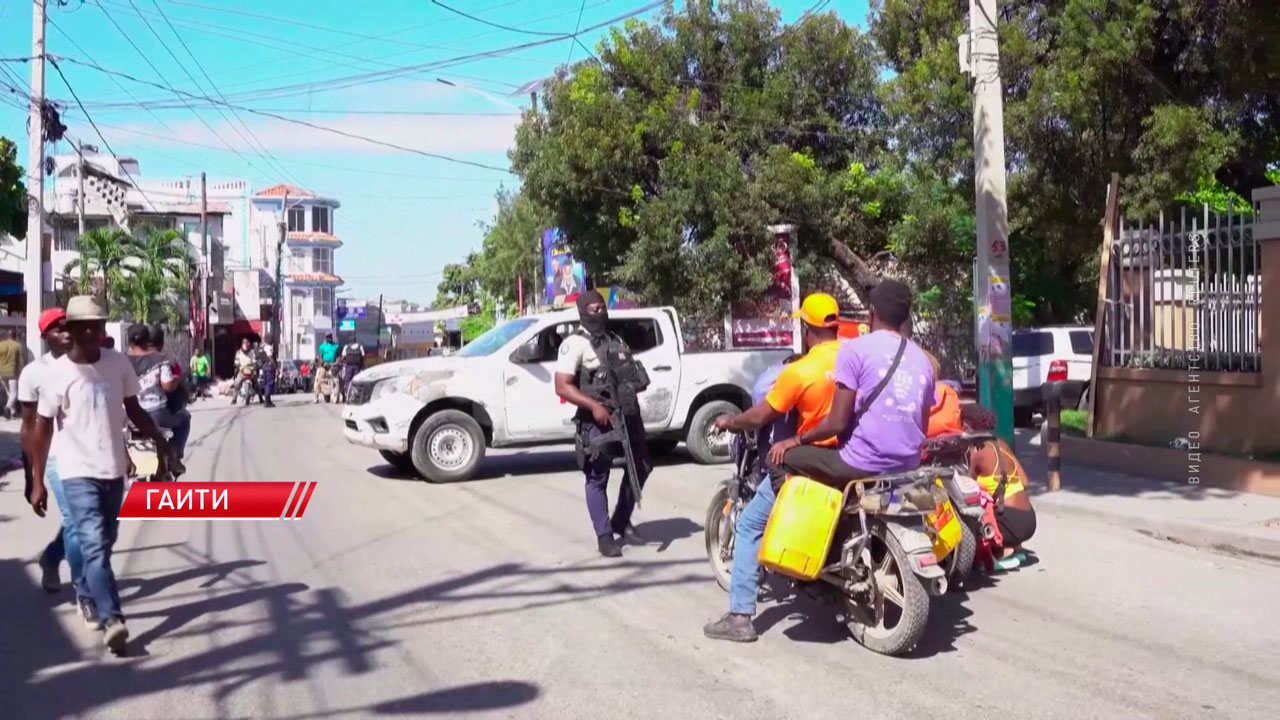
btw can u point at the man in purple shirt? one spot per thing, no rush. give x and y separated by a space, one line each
880 436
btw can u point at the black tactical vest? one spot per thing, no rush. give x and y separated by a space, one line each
619 379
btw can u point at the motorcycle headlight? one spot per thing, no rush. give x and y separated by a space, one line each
385 387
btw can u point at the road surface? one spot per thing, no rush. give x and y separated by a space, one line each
487 599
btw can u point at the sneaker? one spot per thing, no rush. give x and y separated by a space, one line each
115 635
608 546
50 579
89 612
1012 562
732 627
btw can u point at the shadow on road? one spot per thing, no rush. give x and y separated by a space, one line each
45 673
526 461
666 531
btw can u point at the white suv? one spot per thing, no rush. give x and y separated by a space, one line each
1046 354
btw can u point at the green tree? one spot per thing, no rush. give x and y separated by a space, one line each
1178 96
157 283
512 247
13 193
459 283
665 162
103 262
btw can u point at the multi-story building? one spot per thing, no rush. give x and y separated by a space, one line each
309 242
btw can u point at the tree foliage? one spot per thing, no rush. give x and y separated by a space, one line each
665 160
13 193
144 277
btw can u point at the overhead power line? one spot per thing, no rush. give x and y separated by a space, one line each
500 26
295 121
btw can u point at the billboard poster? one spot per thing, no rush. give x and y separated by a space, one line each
562 276
767 322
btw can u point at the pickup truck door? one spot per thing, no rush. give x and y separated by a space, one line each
654 344
533 410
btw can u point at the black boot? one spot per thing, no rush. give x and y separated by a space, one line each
608 546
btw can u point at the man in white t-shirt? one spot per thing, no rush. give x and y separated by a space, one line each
91 390
53 328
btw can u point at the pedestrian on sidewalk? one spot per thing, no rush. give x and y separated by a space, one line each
53 328
200 373
91 390
11 356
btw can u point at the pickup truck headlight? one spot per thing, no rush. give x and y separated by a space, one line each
385 387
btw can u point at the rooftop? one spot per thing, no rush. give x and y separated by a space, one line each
283 189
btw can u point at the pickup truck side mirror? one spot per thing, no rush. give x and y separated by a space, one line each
527 353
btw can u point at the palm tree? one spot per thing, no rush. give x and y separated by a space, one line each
102 262
158 275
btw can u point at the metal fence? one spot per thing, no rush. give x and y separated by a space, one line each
1184 293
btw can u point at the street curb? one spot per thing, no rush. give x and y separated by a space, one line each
1205 537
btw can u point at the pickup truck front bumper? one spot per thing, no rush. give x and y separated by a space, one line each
369 426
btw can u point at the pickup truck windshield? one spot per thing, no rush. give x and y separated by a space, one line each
495 339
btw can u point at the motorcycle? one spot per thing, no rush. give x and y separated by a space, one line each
248 389
330 385
974 506
882 568
145 461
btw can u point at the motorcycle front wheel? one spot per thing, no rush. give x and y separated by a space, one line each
719 554
895 618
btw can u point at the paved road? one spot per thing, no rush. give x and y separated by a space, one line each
486 598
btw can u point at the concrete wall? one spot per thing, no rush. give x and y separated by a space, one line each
1232 413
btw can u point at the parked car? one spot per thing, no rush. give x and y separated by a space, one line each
1042 355
436 415
289 378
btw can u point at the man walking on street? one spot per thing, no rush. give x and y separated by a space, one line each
200 372
805 386
10 366
91 390
53 328
580 379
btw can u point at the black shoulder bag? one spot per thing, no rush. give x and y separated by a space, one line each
880 386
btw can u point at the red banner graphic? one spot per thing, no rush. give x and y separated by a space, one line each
217 500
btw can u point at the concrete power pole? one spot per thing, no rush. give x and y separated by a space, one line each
993 298
33 275
80 193
206 267
276 316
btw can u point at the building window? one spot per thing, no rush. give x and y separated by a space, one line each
322 260
320 219
322 301
298 261
297 216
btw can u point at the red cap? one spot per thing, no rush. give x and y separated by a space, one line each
51 316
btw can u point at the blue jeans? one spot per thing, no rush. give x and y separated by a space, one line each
95 512
744 577
64 544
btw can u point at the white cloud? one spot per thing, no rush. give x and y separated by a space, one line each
449 135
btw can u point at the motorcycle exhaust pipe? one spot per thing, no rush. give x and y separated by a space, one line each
988 532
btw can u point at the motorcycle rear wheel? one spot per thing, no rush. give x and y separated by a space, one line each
898 624
960 561
715 524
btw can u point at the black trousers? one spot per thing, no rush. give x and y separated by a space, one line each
823 464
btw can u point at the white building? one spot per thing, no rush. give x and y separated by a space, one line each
310 282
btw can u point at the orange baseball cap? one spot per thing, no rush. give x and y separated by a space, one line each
51 316
819 310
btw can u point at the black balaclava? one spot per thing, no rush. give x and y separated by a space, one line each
595 324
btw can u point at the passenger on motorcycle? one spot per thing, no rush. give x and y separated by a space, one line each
160 393
884 389
804 387
990 463
944 416
326 355
246 368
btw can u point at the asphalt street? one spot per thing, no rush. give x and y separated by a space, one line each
393 596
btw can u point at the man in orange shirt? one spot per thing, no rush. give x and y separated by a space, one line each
944 416
805 386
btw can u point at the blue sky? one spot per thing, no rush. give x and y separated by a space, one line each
403 215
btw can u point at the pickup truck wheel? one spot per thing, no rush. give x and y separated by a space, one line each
706 444
400 461
448 447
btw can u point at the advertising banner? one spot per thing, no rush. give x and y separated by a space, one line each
767 322
562 276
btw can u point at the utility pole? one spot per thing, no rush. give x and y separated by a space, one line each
993 297
378 346
207 266
279 289
80 193
33 275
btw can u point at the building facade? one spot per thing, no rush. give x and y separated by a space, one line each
310 282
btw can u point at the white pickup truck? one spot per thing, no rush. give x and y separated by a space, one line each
436 415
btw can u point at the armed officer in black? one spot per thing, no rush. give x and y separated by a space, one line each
597 373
